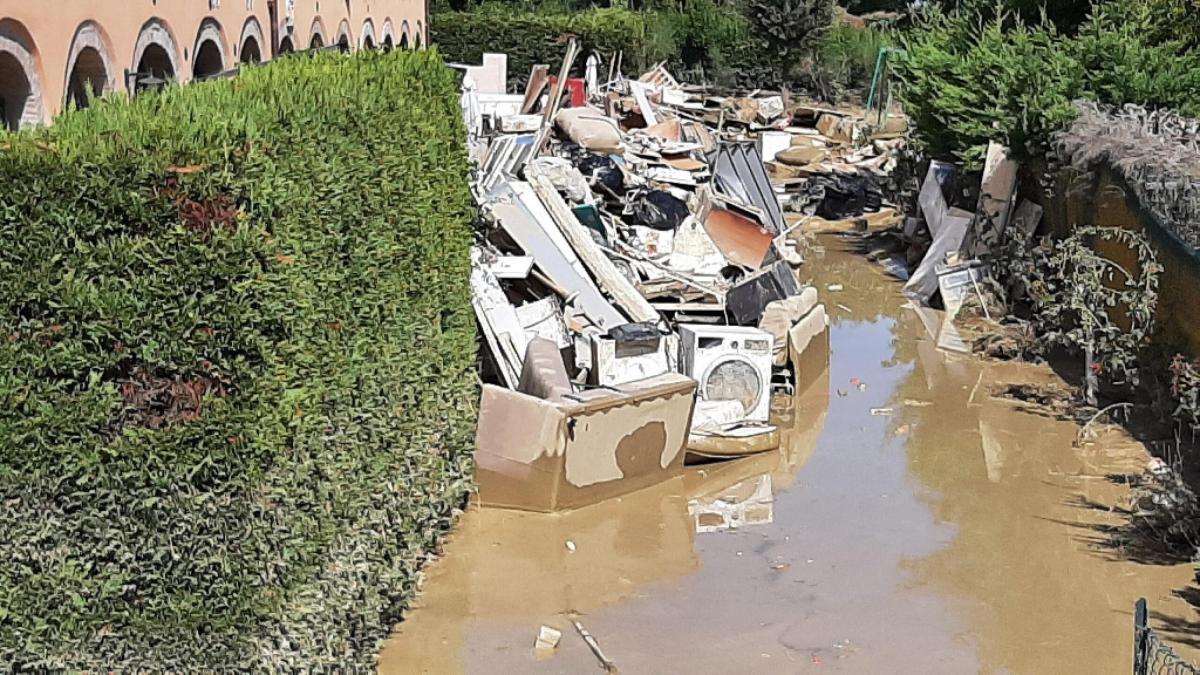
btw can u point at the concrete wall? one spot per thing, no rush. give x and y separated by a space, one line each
51 51
1102 198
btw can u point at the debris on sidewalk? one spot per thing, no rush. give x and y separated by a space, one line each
649 229
594 645
547 641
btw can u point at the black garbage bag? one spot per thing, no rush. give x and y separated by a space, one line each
658 209
602 170
848 195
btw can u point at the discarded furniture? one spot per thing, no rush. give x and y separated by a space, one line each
539 455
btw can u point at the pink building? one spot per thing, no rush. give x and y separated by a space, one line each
53 51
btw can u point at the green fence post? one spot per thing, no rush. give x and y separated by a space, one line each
1141 634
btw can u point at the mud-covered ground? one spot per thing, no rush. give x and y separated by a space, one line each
917 523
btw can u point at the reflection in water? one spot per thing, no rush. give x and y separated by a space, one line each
504 572
749 502
940 539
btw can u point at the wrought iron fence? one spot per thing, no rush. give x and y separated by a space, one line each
1151 654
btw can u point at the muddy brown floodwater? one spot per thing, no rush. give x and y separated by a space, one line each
948 536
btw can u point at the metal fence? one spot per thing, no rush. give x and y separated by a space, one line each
1152 655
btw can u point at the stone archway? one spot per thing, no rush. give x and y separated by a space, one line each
387 39
345 40
316 38
405 42
419 40
155 56
21 102
208 57
251 43
366 39
90 72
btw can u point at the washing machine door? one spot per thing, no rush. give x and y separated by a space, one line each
733 378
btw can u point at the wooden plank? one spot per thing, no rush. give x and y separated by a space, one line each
610 280
871 222
716 307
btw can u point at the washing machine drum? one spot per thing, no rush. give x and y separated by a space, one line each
733 379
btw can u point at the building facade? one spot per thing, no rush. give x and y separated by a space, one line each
54 52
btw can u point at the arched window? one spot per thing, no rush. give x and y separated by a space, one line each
20 88
89 66
208 58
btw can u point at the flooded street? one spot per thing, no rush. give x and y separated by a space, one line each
911 523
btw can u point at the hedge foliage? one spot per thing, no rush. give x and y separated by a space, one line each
236 368
971 77
532 37
967 83
732 44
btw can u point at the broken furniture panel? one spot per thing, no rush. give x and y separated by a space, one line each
747 300
526 220
809 350
947 239
498 320
739 174
544 319
614 363
742 240
615 284
537 455
780 316
544 374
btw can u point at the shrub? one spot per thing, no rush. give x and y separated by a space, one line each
1091 305
531 37
236 368
968 81
711 36
846 54
787 29
1125 63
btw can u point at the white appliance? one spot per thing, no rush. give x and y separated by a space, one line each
731 363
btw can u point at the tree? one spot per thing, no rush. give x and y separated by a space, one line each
788 27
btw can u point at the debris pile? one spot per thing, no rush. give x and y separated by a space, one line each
942 251
640 231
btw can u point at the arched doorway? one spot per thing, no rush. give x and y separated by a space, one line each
251 43
208 58
207 62
344 42
16 90
317 35
90 71
388 40
250 51
20 86
367 35
156 63
89 78
286 46
155 56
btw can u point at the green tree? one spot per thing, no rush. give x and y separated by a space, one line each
788 27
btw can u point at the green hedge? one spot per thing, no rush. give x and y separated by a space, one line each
533 37
236 368
967 82
969 79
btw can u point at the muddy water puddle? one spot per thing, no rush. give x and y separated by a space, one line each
911 523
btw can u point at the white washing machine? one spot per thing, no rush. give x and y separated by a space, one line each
731 363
